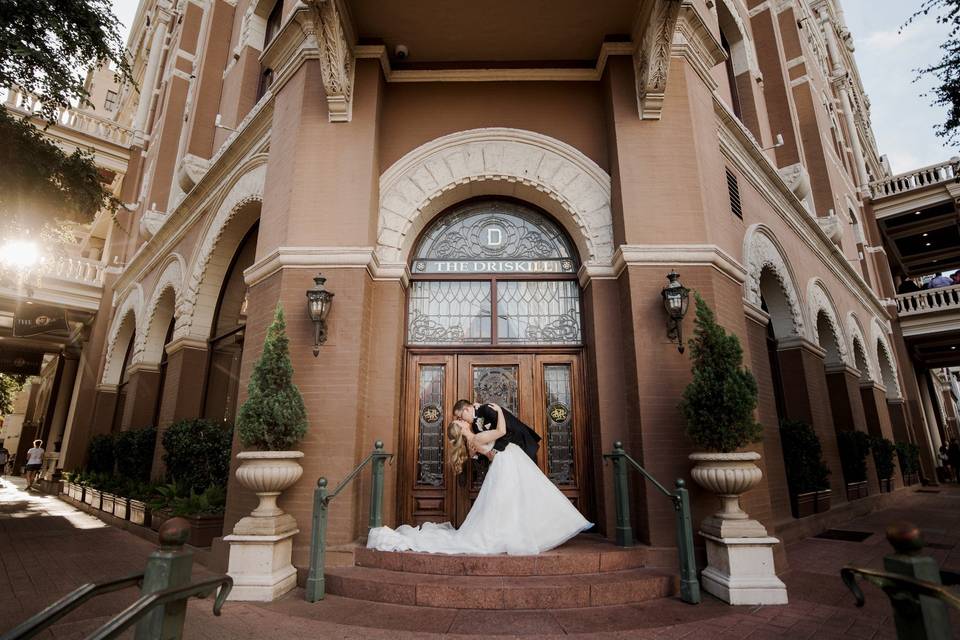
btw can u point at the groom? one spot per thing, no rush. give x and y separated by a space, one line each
483 417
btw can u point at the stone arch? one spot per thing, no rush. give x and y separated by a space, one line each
886 363
823 315
744 58
236 213
167 294
125 326
859 352
769 275
495 161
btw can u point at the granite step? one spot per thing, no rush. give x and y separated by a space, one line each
584 555
628 586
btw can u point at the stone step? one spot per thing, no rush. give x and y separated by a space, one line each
585 555
628 586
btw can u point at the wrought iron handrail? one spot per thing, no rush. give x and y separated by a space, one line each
689 584
46 617
147 603
316 582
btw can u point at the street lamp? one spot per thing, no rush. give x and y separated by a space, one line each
676 298
319 301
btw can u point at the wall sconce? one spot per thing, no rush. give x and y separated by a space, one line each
676 298
319 301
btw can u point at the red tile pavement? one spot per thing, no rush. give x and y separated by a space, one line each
48 548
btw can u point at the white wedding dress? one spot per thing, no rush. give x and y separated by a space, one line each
519 511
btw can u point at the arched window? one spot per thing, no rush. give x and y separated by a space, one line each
226 336
731 77
494 272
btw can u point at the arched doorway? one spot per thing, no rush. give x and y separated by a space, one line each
493 315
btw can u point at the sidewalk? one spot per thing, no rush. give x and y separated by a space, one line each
48 548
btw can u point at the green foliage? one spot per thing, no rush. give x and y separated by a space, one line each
100 456
197 453
209 503
883 450
803 457
854 447
718 403
273 417
164 495
134 453
908 455
10 386
46 46
946 71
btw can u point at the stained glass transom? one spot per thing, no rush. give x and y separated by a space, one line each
497 238
430 417
559 415
449 312
538 312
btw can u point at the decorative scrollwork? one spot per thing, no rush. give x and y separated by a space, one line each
423 330
565 329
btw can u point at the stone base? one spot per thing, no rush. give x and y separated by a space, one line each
732 528
740 571
260 566
265 526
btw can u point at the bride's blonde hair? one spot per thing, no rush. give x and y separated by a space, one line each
458 447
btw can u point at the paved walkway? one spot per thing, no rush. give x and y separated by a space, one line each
48 548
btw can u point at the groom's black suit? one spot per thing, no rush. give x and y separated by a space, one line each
517 432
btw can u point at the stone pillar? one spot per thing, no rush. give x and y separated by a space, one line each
898 419
61 408
105 403
141 393
807 399
875 409
182 392
150 76
930 418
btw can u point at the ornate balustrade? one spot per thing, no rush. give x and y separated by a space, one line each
928 301
917 179
79 270
81 121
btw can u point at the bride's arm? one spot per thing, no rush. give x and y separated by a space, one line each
486 437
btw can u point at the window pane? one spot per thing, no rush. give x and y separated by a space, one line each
430 453
538 312
449 313
556 382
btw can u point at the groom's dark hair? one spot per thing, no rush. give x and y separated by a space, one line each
460 404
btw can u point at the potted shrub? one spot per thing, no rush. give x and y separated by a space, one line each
806 471
883 451
270 423
718 406
91 493
204 512
162 500
908 455
133 451
854 447
138 510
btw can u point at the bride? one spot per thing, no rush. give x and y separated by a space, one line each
519 511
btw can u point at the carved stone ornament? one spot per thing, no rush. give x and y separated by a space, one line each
762 253
336 59
651 57
151 222
832 226
819 302
797 178
191 170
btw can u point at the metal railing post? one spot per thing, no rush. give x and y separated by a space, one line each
931 620
376 486
316 587
689 584
621 490
167 568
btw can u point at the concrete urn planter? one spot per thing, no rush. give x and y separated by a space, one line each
268 474
728 475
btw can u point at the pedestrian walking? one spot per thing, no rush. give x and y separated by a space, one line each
35 462
943 457
953 455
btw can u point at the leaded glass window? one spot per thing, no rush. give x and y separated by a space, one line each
516 265
559 412
430 417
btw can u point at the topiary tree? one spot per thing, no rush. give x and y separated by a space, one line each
718 403
803 457
854 447
273 417
134 453
100 455
883 451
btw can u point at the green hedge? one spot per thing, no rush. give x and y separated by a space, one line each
803 457
854 448
883 450
100 455
197 454
908 454
134 453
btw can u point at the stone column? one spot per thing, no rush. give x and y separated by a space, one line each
898 419
141 393
105 403
878 419
150 77
61 409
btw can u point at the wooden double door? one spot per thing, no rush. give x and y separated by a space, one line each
544 390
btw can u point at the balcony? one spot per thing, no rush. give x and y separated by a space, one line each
924 178
930 321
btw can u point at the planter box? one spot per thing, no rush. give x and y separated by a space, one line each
886 485
92 497
139 513
107 501
803 504
121 507
911 478
823 500
203 529
65 488
857 490
158 517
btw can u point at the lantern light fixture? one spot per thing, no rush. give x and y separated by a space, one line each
676 299
319 301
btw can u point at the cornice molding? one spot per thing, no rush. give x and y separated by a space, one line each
629 255
320 258
800 342
694 42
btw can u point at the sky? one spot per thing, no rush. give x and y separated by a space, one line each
902 119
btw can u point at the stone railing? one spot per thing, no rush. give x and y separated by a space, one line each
904 182
929 301
80 270
81 121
